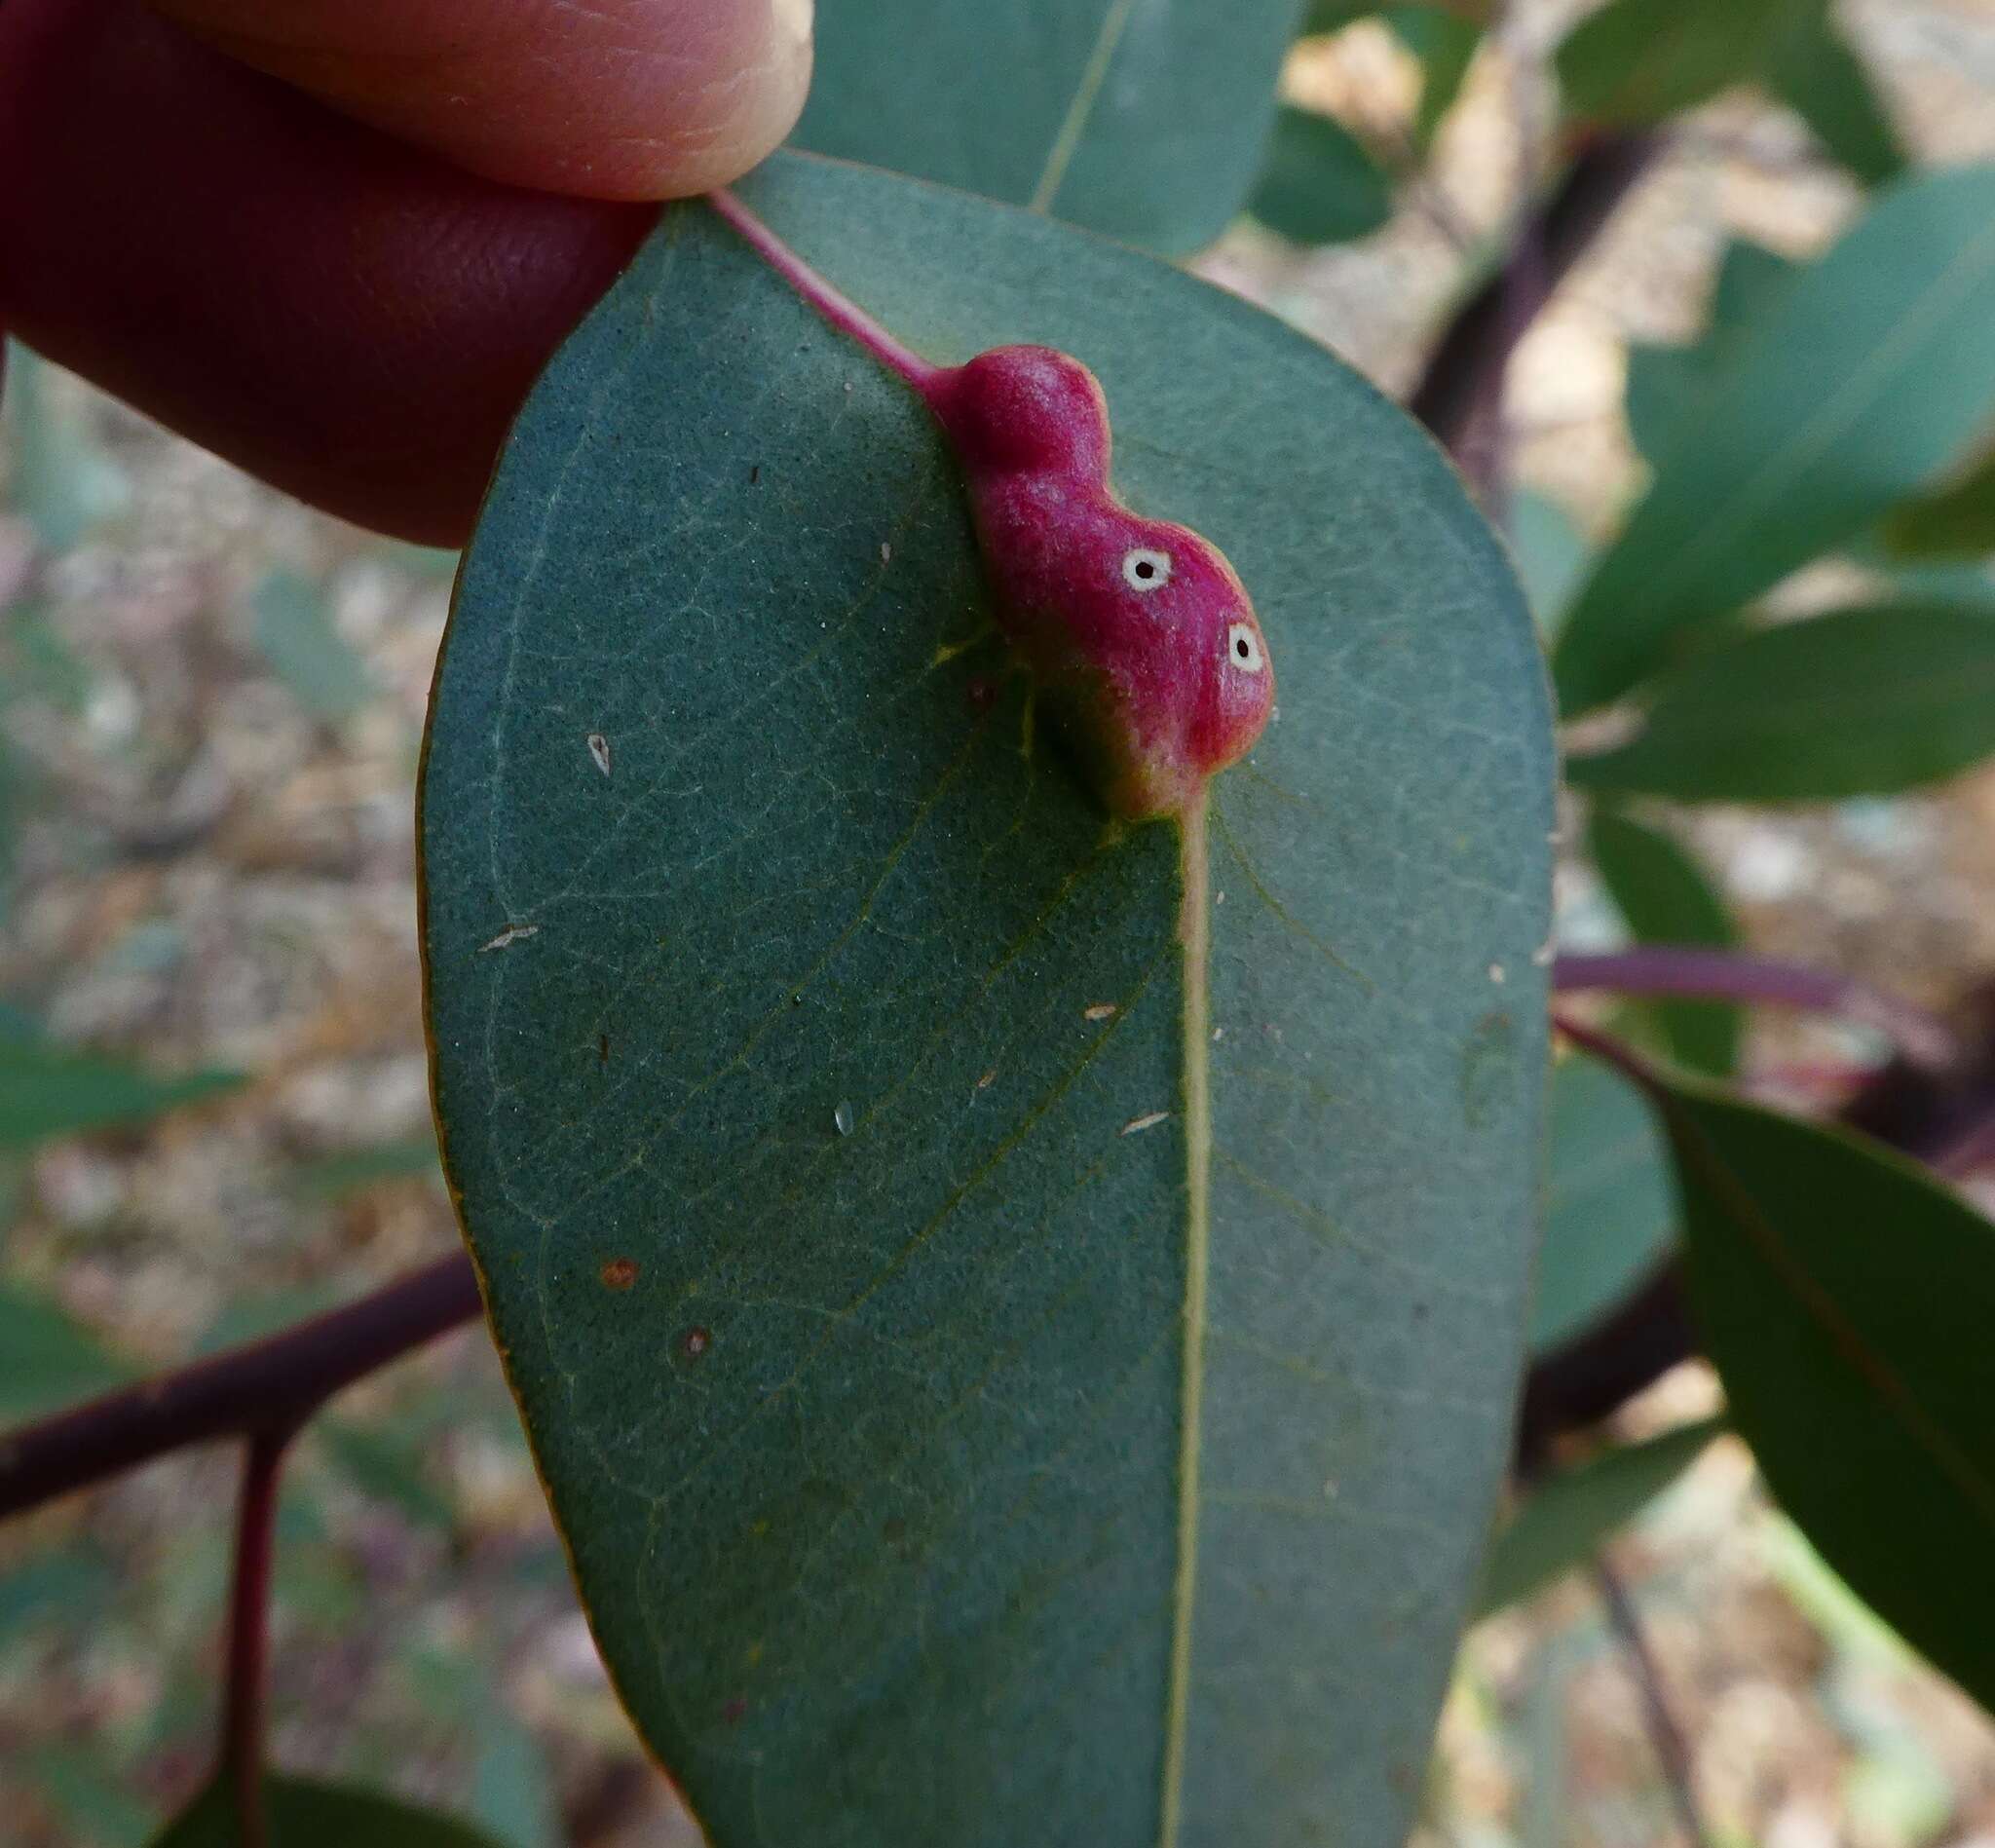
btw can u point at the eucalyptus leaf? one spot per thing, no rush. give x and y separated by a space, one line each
1610 1203
1551 554
1319 185
1637 61
968 1426
60 475
1957 521
47 1358
1845 1297
1858 702
1139 120
1665 897
1563 1522
295 632
48 1090
1666 383
1813 69
1445 42
311 1813
1872 371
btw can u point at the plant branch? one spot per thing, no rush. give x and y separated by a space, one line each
261 1388
1666 1737
240 1758
1465 375
1732 975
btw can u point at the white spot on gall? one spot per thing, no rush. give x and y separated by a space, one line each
1143 569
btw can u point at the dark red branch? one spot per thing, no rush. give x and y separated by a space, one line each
1732 975
263 1387
240 1760
1465 375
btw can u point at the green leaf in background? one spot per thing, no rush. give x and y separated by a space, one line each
387 1465
60 476
48 1090
1875 368
352 1170
1319 185
1637 61
1858 702
1666 383
1445 42
1551 554
815 1084
1664 897
309 1813
295 633
1321 16
1846 1299
1610 1205
1567 1519
47 1358
1958 521
1143 121
512 1795
1811 67
70 1589
78 1784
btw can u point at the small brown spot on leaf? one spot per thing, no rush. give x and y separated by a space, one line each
694 1343
988 1079
1135 1125
736 1711
620 1273
755 474
602 1048
1100 1011
982 692
599 751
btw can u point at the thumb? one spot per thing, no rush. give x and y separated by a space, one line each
631 99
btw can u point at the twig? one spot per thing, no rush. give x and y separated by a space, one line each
262 1387
1666 1737
1465 373
1732 975
240 1760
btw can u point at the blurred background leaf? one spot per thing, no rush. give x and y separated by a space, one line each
1611 1204
1846 1298
1777 467
1564 1520
295 631
1858 702
48 1090
1319 185
1664 897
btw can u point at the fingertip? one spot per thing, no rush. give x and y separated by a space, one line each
619 99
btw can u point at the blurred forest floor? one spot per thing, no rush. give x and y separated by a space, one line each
211 706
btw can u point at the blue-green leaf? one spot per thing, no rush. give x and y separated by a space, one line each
822 1085
1858 702
1873 370
1665 897
1563 1521
1143 121
1319 184
1610 1205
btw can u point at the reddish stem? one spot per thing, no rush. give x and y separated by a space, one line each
240 1758
1730 975
838 308
269 1386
